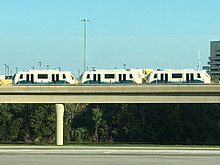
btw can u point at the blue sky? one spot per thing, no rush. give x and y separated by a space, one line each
140 33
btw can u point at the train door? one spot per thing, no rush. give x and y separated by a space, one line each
27 77
155 77
57 77
119 78
166 77
53 77
32 78
161 77
94 77
124 77
192 76
187 77
99 78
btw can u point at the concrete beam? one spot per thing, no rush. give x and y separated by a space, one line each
110 94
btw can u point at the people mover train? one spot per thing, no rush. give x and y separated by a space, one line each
114 76
178 76
44 77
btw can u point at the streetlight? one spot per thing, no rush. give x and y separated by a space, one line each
5 70
48 66
8 72
124 65
93 68
198 62
84 20
40 64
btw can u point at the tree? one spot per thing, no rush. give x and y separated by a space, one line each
42 122
97 121
71 111
9 124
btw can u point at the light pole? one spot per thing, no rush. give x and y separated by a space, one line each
8 70
124 65
84 20
78 73
40 64
5 70
93 68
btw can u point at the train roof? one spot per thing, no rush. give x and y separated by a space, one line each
178 70
42 71
115 70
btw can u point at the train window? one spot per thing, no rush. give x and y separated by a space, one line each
131 76
109 76
155 75
88 76
64 76
21 76
72 77
42 76
198 75
177 75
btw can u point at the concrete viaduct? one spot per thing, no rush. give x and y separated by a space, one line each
61 94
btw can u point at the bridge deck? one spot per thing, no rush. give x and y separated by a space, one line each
110 93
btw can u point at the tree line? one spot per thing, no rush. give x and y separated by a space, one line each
112 123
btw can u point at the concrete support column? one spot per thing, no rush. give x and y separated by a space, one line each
59 123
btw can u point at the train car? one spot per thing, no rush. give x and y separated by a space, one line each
44 77
114 76
178 76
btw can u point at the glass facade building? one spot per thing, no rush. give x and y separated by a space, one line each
214 59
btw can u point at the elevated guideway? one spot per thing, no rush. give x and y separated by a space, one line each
110 94
61 94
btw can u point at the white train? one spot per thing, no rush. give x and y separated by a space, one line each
178 76
44 77
114 76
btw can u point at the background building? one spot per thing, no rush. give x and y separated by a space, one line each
214 69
